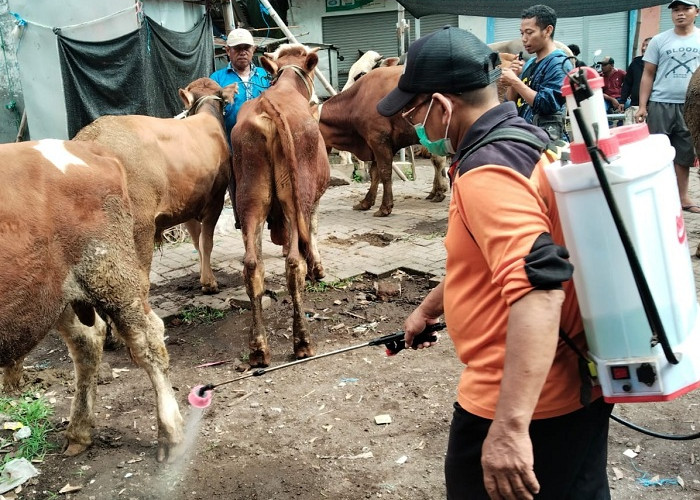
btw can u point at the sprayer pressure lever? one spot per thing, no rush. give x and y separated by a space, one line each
395 341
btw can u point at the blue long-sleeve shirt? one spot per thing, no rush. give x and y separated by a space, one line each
546 78
251 89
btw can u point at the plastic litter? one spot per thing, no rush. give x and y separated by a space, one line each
15 473
22 433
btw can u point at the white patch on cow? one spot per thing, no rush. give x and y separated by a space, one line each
55 151
100 251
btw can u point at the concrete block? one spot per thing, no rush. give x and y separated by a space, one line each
239 299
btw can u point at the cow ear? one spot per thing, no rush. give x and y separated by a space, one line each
228 92
390 61
187 98
361 52
268 65
311 60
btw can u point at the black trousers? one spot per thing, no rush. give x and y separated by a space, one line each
570 453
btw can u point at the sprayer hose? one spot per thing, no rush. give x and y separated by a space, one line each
670 437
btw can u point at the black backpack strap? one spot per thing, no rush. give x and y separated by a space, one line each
505 134
586 369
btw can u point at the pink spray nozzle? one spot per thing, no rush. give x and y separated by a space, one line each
199 396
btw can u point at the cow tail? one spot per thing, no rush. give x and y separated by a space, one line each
287 142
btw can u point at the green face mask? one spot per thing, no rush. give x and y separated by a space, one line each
441 147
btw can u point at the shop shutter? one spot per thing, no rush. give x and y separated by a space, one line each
666 22
350 33
607 32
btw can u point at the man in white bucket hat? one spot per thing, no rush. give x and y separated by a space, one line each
252 80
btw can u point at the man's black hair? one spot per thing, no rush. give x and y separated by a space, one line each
544 16
575 50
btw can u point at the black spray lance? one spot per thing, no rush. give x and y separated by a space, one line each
200 396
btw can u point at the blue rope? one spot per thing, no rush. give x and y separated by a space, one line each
265 11
647 480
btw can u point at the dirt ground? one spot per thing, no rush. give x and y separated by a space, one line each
308 431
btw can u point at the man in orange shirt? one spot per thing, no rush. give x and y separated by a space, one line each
519 427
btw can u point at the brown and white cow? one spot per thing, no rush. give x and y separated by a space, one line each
349 121
177 170
66 239
281 170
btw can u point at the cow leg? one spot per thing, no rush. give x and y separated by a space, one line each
111 278
371 196
202 235
85 349
144 237
254 277
440 184
12 376
295 271
385 170
143 334
315 267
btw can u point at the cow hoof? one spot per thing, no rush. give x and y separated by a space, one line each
317 273
437 198
259 359
304 351
210 289
74 449
362 206
430 196
170 453
382 212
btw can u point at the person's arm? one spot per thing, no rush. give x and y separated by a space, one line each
627 85
531 341
429 310
645 86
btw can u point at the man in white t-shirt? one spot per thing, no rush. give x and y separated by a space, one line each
669 62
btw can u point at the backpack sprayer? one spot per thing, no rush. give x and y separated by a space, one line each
200 396
624 228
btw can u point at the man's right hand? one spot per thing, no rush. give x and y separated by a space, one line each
415 324
641 114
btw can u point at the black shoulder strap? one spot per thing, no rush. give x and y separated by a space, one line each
506 134
509 134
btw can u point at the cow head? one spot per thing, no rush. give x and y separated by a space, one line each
291 55
196 92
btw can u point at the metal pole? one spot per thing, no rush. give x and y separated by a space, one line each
275 17
229 19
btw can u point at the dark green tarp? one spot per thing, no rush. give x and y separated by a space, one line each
138 73
513 8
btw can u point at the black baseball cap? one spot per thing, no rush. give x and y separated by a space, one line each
692 3
449 60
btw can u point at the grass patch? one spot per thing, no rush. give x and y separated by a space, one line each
32 411
201 314
357 176
324 286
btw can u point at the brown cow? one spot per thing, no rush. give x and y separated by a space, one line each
177 170
349 121
67 246
281 170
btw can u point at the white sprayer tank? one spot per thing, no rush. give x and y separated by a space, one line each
643 183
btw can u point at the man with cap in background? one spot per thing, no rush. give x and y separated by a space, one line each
669 61
252 80
612 85
526 422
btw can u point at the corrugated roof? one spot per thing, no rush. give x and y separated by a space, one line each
513 8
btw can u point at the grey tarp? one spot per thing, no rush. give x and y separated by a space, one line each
138 73
513 8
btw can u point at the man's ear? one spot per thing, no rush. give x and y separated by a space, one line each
446 105
549 30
